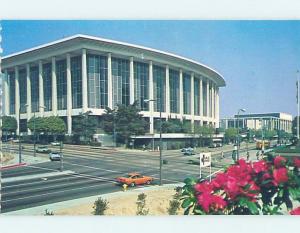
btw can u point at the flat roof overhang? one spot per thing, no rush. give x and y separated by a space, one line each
78 42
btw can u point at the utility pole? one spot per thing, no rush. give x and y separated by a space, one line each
298 109
61 157
20 146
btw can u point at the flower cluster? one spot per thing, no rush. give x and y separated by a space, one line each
248 188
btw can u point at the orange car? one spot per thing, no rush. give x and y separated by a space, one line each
133 179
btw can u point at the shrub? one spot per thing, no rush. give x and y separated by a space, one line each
260 187
141 205
48 213
100 206
174 204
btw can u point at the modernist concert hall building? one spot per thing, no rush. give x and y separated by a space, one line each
84 73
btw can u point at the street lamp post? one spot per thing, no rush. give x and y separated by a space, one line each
298 106
34 133
19 137
238 133
160 140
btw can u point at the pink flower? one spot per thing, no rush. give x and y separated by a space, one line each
203 187
295 211
279 161
208 201
260 166
296 162
280 175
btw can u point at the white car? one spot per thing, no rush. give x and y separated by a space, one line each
55 156
55 143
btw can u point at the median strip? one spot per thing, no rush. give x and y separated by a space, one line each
30 177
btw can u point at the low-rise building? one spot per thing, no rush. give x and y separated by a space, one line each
257 121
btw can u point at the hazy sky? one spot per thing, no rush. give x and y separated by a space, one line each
258 59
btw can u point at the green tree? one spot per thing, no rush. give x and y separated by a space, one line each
9 125
39 124
85 126
269 134
55 126
204 131
230 134
126 121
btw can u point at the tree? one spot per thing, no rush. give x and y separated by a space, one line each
38 124
204 131
9 125
85 126
269 134
126 121
55 126
230 134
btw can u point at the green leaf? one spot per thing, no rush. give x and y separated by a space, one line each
190 181
186 203
252 207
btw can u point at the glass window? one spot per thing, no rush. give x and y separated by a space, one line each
76 77
141 84
61 77
23 90
120 79
197 96
34 84
186 93
47 83
12 92
97 81
159 88
174 91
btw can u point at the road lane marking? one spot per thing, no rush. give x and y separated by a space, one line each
49 193
35 176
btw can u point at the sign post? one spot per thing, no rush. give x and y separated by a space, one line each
205 161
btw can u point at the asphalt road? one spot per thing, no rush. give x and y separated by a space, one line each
93 172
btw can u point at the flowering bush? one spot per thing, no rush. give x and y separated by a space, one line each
260 187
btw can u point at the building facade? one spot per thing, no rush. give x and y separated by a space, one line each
83 73
267 121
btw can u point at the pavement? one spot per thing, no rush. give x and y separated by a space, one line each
90 173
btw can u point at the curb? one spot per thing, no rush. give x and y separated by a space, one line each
13 166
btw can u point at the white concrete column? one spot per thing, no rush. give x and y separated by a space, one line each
131 81
109 82
181 93
192 101
217 108
213 101
167 91
28 89
69 94
54 87
41 89
17 98
84 81
6 94
151 104
201 97
207 99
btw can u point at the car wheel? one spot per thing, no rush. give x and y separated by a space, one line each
148 182
132 184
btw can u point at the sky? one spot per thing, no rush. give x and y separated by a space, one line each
258 59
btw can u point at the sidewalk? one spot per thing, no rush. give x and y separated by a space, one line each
40 210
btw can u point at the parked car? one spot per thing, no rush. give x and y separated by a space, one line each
55 156
133 179
42 149
188 151
55 143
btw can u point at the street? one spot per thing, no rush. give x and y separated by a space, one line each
89 172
